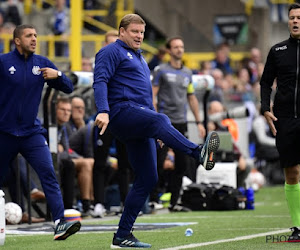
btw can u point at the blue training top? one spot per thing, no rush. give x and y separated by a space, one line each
121 75
21 86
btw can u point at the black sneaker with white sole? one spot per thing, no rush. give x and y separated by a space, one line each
128 242
64 229
208 150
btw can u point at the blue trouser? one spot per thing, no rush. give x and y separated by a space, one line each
139 128
36 151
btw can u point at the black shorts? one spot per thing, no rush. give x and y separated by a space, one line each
288 141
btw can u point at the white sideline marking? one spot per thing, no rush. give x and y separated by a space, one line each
247 237
216 216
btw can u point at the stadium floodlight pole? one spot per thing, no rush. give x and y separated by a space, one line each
75 37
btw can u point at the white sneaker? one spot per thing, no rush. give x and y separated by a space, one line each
99 211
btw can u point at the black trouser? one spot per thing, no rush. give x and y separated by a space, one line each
67 179
103 173
175 176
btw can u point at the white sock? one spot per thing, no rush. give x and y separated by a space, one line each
56 222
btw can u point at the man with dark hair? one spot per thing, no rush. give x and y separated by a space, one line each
283 118
173 91
123 96
23 75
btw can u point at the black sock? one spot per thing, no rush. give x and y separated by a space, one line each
86 205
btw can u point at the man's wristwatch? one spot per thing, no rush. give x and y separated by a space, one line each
59 74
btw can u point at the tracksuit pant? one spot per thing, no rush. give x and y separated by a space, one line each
139 128
102 173
35 150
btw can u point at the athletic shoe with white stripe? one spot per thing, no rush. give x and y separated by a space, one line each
128 242
66 228
208 150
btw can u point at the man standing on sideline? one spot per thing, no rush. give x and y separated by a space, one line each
23 75
172 92
101 152
123 96
284 117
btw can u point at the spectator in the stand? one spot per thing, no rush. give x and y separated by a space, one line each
59 24
243 87
217 92
222 59
172 92
81 142
265 140
110 37
86 64
158 58
205 68
230 125
76 120
13 12
70 162
255 64
8 28
265 151
66 165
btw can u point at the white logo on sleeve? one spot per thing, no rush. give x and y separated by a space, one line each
36 70
284 47
12 70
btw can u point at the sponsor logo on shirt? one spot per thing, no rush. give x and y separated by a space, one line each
284 47
171 77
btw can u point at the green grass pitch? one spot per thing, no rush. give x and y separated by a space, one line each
222 230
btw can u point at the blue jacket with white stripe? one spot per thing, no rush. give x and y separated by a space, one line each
21 86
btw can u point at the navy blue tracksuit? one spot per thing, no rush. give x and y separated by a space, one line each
123 89
21 86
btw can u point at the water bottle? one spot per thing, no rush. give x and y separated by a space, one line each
250 198
188 232
2 218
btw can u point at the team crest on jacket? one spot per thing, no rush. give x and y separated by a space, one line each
36 70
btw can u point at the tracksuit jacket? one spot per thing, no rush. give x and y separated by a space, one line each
21 86
283 63
134 87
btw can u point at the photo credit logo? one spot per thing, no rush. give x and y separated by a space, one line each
279 239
